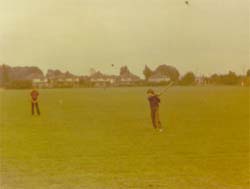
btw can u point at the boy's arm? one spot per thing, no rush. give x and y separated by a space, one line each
30 98
34 101
159 100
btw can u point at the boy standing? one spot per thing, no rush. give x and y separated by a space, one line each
34 101
154 102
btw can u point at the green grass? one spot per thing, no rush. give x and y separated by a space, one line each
103 139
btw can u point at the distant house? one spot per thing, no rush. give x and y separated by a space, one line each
245 81
101 80
56 78
38 80
71 80
201 80
128 79
40 83
64 81
158 78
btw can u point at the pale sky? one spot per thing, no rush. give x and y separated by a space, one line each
207 36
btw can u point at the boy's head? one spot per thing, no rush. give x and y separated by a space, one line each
150 92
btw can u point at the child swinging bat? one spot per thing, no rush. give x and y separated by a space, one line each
154 101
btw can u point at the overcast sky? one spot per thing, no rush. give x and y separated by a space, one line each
206 36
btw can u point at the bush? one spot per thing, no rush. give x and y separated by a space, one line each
19 84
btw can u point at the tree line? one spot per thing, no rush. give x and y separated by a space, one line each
189 78
21 77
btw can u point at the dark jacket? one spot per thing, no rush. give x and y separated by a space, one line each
154 101
34 95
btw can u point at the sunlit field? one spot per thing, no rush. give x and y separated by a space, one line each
103 139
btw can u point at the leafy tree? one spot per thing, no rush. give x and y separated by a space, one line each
230 79
248 73
215 79
169 71
188 79
5 74
227 79
147 72
124 70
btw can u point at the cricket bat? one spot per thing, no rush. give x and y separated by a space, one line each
164 91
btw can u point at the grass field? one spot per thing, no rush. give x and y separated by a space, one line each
103 139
